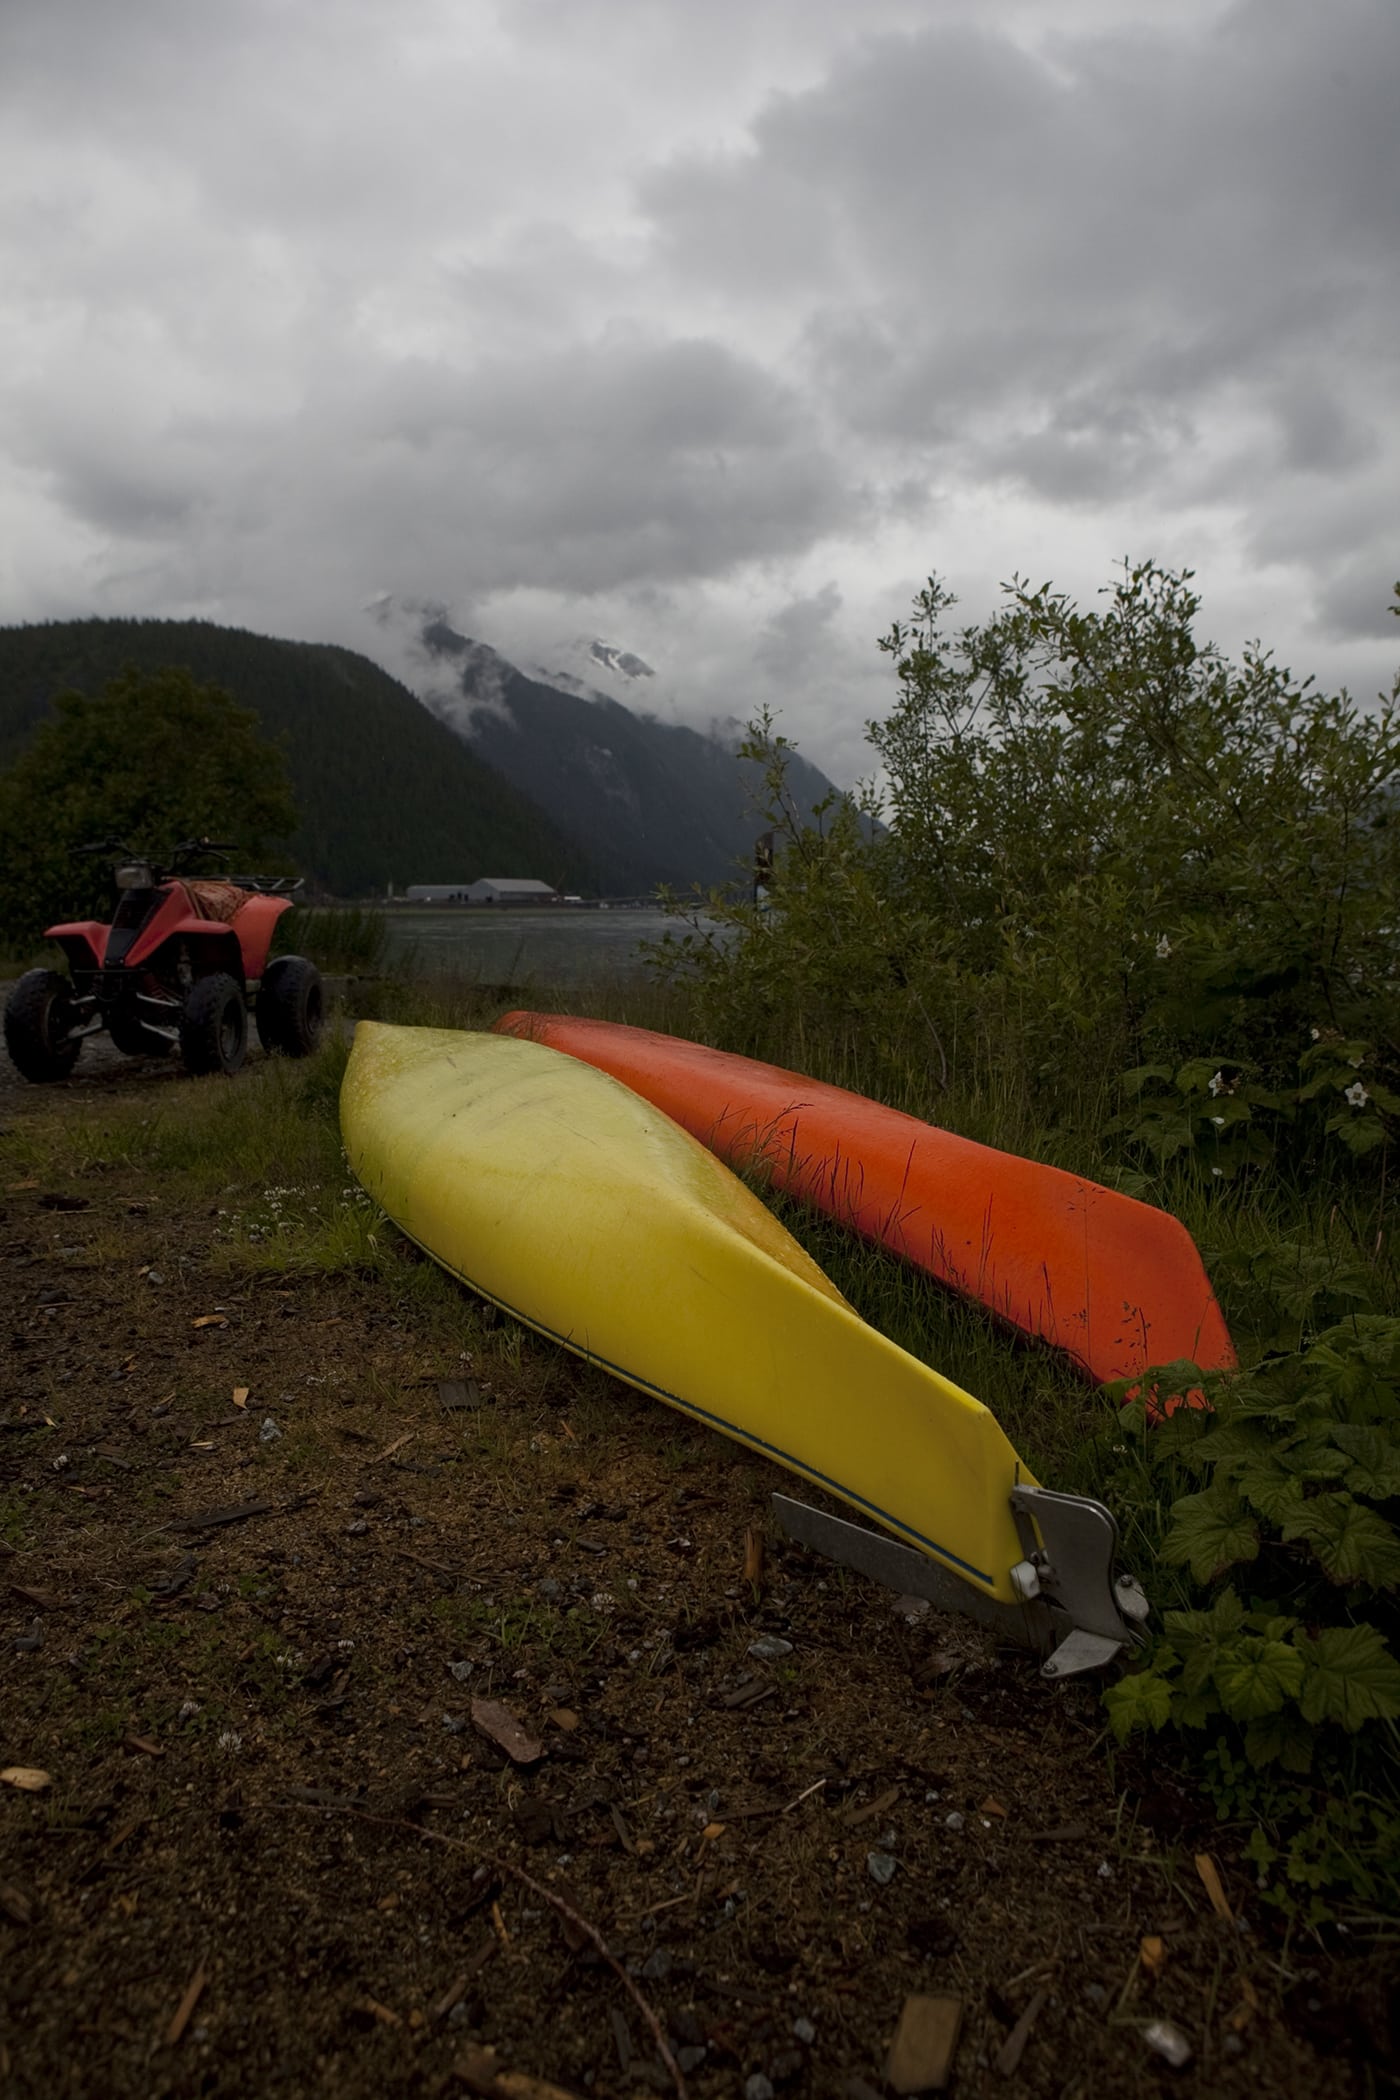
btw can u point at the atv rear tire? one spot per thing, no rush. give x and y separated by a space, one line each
290 1010
214 1025
37 1020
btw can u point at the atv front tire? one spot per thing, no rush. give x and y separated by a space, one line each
38 1016
290 1012
214 1025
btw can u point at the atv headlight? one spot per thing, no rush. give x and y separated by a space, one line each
135 875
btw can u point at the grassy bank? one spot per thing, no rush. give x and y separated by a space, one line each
280 1504
1252 1705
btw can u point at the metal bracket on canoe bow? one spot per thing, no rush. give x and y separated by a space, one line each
1071 1612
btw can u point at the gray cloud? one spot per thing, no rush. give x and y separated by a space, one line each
710 330
1084 249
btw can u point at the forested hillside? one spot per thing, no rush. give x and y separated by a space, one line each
385 791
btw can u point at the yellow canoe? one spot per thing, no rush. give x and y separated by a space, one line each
553 1190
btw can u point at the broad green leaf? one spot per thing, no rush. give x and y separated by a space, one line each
1375 1467
1273 1628
1144 1701
1283 1738
1350 1541
1194 1709
1189 1629
1267 1488
1352 1677
1210 1533
1254 1677
1134 1082
1316 1457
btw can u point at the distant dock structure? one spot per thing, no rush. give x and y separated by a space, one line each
489 889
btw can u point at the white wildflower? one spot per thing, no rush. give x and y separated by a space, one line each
1357 1095
1219 1122
1316 1034
1164 947
231 1741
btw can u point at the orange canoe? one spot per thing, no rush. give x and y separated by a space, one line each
1117 1285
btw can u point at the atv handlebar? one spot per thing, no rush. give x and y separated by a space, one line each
189 850
195 849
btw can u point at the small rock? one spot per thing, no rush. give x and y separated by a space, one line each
881 1867
356 1529
690 2057
269 1433
461 1670
954 1821
758 2087
153 1276
1167 2039
768 1648
804 2030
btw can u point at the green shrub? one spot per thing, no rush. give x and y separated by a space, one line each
1278 1662
1103 846
1100 848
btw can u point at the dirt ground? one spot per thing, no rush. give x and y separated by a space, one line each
407 1692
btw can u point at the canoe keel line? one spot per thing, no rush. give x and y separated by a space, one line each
564 1197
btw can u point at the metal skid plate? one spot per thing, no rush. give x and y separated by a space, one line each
1072 1613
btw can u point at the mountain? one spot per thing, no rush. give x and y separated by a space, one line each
387 792
652 802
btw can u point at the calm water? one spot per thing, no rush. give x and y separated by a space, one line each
520 945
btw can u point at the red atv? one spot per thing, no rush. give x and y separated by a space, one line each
181 962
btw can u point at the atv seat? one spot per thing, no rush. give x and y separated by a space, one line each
217 900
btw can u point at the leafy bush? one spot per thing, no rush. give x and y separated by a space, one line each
1280 1660
1104 849
1103 845
1217 1119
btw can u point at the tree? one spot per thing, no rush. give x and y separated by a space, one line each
1156 839
152 759
1104 842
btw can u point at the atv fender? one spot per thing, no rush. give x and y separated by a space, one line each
254 926
214 945
83 941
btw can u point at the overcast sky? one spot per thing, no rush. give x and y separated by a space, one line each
706 327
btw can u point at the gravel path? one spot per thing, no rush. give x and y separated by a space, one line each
102 1066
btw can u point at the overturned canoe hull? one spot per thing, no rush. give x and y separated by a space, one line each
588 1213
1115 1284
